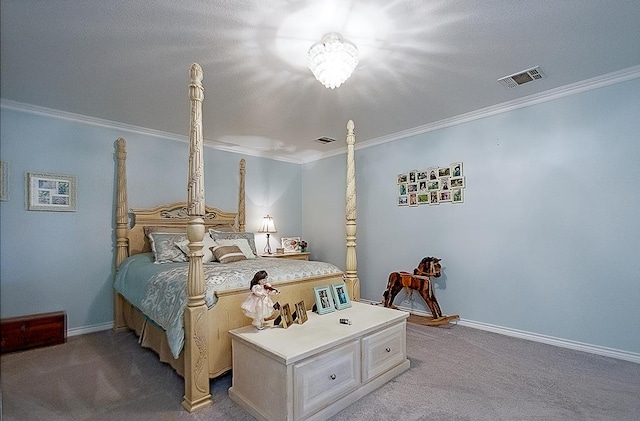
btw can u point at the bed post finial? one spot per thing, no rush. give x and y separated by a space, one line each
196 373
241 197
351 264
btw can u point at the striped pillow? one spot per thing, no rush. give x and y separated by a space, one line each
227 254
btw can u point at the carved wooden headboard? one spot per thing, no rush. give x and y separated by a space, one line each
173 215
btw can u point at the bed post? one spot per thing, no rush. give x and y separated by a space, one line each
196 371
122 223
241 194
352 264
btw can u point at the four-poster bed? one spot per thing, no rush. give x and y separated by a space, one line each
206 352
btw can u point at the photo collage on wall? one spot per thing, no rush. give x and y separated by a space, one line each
432 186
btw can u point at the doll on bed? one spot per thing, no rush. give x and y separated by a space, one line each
258 305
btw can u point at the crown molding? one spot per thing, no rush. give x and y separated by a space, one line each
550 95
129 128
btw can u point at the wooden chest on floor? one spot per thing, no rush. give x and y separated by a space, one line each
26 332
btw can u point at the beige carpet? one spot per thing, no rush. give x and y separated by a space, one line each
456 373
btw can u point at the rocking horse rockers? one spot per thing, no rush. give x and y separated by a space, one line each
419 280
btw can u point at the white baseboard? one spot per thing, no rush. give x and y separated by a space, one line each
550 340
89 329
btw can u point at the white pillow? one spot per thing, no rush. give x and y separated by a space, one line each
208 243
241 243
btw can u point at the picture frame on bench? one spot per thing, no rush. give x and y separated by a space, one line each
324 300
341 295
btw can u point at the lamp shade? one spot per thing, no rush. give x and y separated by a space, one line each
268 225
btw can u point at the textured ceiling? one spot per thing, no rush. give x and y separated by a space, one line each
421 62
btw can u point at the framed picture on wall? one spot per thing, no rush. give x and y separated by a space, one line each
456 169
456 182
51 192
457 195
444 172
433 198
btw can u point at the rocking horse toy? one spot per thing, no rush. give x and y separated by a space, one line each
419 280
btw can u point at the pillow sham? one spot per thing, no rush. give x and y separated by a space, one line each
206 250
223 228
164 229
165 248
235 235
228 254
241 243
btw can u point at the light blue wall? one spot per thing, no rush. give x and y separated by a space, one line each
546 242
548 239
52 261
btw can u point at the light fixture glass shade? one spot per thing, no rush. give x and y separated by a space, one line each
267 225
332 60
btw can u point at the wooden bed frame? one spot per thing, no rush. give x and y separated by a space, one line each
207 346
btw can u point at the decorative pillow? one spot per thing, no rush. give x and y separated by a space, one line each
165 249
223 228
227 254
206 250
241 243
235 235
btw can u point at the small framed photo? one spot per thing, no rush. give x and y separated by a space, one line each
287 317
423 198
402 189
433 173
444 172
456 169
456 182
51 192
444 183
291 244
413 199
433 198
444 196
324 302
413 175
402 178
301 313
403 200
341 295
457 195
423 175
433 185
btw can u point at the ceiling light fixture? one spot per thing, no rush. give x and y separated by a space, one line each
332 60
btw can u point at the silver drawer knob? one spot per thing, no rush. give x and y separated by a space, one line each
333 377
388 349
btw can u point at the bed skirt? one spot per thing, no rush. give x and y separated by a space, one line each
152 336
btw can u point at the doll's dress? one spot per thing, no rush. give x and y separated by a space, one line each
258 304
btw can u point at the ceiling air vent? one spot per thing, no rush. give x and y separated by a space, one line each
325 139
521 78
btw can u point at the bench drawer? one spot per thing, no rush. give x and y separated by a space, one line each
383 350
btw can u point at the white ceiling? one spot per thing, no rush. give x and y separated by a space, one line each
421 62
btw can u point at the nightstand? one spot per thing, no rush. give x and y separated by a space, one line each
296 256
